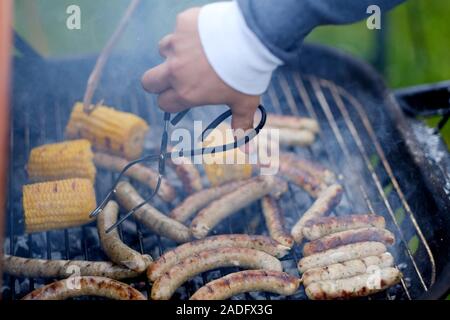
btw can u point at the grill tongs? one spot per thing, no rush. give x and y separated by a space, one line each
164 154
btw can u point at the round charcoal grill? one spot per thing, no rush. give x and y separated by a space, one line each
363 138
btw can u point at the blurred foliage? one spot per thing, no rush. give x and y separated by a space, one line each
418 33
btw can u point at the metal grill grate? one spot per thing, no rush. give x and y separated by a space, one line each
369 182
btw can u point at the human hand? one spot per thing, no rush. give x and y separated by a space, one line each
186 79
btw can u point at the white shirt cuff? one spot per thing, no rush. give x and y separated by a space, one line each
235 53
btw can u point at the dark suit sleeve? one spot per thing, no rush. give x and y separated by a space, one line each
283 24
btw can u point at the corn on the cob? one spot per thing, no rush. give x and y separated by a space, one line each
218 167
58 204
109 130
56 161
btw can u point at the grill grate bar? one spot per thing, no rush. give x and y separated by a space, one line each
308 104
374 176
330 117
392 177
326 108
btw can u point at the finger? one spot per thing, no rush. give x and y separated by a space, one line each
165 45
156 80
170 101
243 114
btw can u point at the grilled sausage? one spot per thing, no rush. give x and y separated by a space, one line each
292 137
200 199
292 122
326 201
347 237
174 256
85 286
113 246
347 269
348 252
312 168
320 227
156 221
274 221
246 281
187 172
165 286
138 172
232 202
304 180
41 268
357 286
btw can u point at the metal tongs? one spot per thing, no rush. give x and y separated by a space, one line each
163 155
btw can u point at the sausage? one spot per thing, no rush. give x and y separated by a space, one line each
113 246
292 122
317 228
187 172
348 252
85 286
152 218
165 286
347 269
174 256
357 286
200 199
307 182
137 172
274 221
293 137
247 281
232 202
312 168
346 237
327 200
41 268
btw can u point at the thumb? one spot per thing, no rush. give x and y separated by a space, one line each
243 112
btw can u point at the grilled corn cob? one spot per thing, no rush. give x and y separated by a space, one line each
230 165
58 204
69 159
109 130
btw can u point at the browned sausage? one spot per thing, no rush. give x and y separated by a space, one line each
322 226
85 286
292 122
347 269
326 201
348 252
307 182
275 222
137 172
113 246
356 286
347 237
312 168
41 268
293 137
152 218
246 281
187 172
200 199
246 258
174 256
232 202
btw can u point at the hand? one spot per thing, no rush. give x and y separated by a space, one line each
186 79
